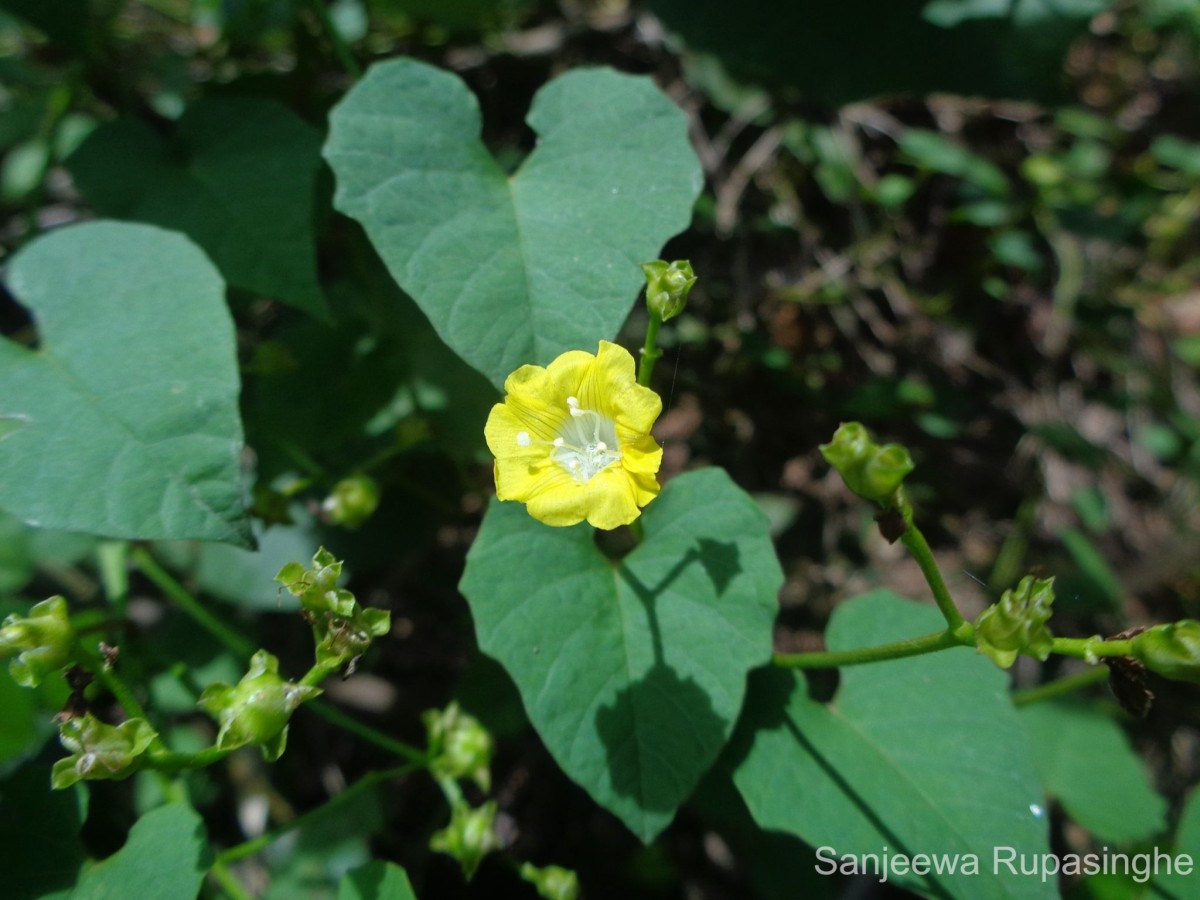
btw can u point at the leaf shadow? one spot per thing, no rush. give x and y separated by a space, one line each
666 721
661 731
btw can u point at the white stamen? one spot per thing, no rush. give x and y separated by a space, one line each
586 442
523 439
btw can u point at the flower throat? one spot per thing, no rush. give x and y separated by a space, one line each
586 443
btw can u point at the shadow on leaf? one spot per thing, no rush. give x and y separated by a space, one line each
655 720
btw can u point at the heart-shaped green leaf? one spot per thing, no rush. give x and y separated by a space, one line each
237 177
632 672
124 422
514 269
922 755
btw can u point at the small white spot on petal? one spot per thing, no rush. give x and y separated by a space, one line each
523 439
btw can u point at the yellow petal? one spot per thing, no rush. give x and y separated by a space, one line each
639 454
558 499
518 478
503 426
612 498
532 400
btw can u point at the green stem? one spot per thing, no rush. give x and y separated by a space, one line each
1091 649
1062 686
118 688
915 541
189 605
260 843
650 352
832 659
221 875
112 558
174 761
340 48
336 717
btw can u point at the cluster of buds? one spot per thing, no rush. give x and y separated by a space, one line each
873 471
668 286
1017 623
470 836
1172 651
352 501
342 628
43 642
256 710
459 746
100 751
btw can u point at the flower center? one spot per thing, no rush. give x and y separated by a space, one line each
586 443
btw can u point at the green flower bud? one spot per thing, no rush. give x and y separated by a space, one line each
1172 651
352 501
342 639
872 471
256 710
460 746
317 587
1017 624
100 751
43 642
469 837
342 628
668 286
552 882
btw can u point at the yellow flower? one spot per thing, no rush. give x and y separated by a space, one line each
572 440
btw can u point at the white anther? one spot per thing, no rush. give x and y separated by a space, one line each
523 439
573 402
558 442
601 446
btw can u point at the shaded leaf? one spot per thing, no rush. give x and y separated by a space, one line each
125 419
237 177
376 881
633 672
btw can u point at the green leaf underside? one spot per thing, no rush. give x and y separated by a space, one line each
165 858
1085 760
131 425
514 270
633 673
237 178
376 881
921 755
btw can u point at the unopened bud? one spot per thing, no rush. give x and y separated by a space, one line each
459 745
1172 651
256 710
552 882
1017 623
43 642
100 751
352 501
469 837
872 471
668 286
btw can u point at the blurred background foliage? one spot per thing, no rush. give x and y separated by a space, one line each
971 224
